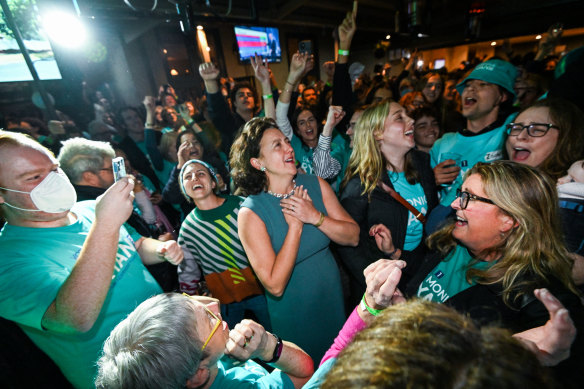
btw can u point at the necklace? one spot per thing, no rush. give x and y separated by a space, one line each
283 195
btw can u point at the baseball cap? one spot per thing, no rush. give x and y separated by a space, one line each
494 71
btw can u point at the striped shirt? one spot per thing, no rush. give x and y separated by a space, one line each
211 242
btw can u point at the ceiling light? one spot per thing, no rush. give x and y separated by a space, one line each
538 37
199 27
173 72
493 43
388 37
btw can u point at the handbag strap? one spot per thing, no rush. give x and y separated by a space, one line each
387 189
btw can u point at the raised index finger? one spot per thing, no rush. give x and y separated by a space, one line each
355 6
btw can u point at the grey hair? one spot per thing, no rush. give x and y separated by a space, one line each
79 155
156 346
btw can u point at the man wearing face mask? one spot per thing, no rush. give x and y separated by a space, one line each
69 272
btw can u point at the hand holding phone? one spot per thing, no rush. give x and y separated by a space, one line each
119 168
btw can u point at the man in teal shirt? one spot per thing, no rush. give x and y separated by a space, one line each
69 272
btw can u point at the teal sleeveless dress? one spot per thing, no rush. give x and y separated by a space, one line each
310 312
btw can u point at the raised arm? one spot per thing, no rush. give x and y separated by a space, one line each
249 340
150 134
297 68
273 269
80 298
325 165
346 32
262 73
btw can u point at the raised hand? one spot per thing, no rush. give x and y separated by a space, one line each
297 67
334 117
183 153
382 278
208 71
149 103
551 342
115 206
348 27
329 70
260 68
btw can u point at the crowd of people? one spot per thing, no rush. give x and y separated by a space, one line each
418 230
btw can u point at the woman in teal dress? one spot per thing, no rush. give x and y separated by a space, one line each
285 226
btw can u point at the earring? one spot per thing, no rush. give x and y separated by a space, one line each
263 168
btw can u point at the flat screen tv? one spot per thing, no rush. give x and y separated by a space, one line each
264 41
439 63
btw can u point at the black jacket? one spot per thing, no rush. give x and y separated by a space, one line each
484 304
382 208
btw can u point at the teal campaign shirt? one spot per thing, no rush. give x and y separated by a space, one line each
413 194
449 277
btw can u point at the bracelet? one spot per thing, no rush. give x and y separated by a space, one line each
343 52
289 83
366 307
328 84
320 221
390 255
268 96
277 349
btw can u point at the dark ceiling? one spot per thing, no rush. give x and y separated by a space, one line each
443 22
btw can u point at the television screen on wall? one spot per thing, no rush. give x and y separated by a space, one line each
264 41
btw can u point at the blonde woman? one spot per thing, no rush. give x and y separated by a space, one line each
384 161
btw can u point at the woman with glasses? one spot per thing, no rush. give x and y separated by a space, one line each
383 163
548 135
505 242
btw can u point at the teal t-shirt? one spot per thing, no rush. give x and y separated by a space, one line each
234 375
449 277
487 147
413 194
303 155
35 264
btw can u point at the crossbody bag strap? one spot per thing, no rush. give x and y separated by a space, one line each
387 189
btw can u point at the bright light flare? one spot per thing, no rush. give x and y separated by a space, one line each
493 43
420 63
538 37
64 29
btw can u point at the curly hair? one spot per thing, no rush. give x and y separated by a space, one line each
247 179
534 250
408 346
366 160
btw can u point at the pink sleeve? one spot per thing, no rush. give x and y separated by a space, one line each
353 325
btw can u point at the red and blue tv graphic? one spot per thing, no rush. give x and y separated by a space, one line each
261 40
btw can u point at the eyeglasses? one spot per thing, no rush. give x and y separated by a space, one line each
218 321
535 130
465 197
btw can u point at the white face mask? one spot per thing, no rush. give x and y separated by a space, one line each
54 194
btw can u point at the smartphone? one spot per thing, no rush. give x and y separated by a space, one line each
305 47
119 168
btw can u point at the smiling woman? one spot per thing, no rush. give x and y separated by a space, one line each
548 135
506 241
285 226
384 162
